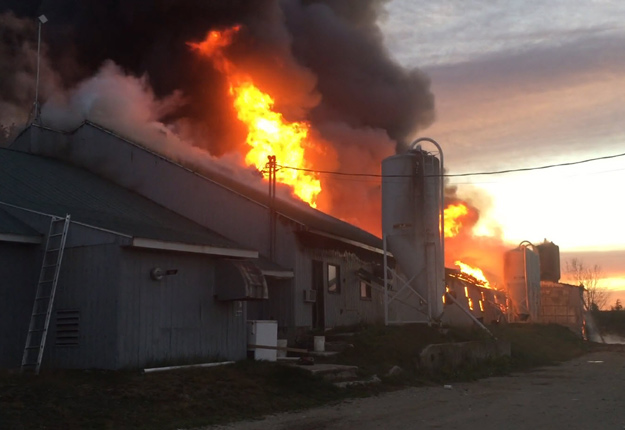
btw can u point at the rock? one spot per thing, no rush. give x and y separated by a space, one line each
395 370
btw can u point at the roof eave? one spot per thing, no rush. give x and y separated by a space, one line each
279 274
348 241
140 242
19 238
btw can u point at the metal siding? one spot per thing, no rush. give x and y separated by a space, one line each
303 281
88 283
175 320
18 281
341 309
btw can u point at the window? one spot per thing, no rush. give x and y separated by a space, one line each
365 291
334 279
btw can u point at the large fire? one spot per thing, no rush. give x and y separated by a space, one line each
268 132
474 272
454 218
457 218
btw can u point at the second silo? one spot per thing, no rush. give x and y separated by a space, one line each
411 213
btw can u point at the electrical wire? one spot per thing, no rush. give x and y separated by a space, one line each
456 175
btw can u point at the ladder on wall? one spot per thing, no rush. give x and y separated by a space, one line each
44 297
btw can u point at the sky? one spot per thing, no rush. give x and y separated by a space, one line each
525 83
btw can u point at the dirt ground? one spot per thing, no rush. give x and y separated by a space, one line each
586 393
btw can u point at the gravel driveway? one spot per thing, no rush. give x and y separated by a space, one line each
586 393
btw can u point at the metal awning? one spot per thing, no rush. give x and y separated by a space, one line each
239 280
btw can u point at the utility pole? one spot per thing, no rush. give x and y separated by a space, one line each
271 168
36 107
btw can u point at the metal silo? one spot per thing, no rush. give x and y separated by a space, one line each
549 254
522 279
411 209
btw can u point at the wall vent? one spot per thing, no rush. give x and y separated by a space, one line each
67 327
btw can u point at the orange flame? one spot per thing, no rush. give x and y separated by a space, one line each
453 218
268 132
473 271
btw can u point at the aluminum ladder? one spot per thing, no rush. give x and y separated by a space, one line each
44 297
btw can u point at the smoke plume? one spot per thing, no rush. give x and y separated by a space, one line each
127 66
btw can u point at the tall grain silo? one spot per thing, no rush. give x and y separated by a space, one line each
411 213
522 280
549 254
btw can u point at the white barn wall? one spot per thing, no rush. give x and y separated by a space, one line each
18 282
177 319
88 283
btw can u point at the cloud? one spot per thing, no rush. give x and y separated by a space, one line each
427 33
555 99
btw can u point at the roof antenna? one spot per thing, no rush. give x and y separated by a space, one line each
36 107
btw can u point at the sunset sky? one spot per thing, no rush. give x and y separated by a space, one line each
523 84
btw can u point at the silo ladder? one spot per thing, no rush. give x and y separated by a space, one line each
44 297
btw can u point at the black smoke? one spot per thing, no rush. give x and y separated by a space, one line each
126 65
341 42
337 40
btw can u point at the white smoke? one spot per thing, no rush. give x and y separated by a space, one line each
128 106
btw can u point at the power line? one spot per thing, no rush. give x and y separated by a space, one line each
494 172
527 169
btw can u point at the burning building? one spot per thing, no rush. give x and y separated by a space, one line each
185 114
466 295
312 263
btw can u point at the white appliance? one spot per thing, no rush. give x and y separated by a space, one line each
263 333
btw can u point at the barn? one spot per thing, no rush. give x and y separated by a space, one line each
139 285
317 269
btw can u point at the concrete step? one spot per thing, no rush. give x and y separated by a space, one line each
323 353
331 372
344 384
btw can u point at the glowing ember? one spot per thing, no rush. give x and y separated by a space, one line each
268 132
453 218
473 271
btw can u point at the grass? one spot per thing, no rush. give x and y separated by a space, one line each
534 345
203 396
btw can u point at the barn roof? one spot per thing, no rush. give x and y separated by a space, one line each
52 187
311 220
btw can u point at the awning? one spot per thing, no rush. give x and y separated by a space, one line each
239 280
